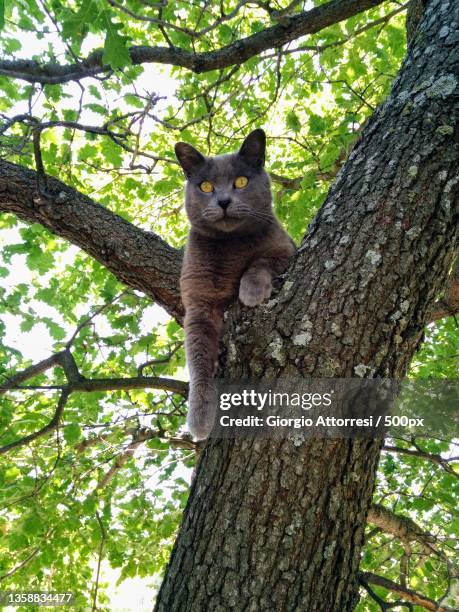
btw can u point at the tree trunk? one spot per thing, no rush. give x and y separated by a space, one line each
271 525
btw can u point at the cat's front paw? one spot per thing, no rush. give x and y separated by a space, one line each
201 412
254 291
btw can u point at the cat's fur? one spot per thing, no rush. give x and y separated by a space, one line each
230 252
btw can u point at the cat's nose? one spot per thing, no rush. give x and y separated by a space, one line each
224 203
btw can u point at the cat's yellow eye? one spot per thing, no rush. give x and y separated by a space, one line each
206 186
241 182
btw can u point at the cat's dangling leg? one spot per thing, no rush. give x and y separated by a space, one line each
203 324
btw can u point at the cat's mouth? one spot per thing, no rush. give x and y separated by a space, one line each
228 223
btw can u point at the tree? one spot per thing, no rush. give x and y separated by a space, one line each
268 524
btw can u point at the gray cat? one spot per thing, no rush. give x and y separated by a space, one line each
235 247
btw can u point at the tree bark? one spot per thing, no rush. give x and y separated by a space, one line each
271 525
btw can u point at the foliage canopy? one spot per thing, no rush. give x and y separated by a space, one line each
78 495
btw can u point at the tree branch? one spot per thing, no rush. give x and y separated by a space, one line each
103 537
405 593
54 422
89 385
432 457
30 372
184 441
140 436
119 462
78 383
401 527
291 28
368 26
188 31
119 137
138 258
22 564
448 305
64 359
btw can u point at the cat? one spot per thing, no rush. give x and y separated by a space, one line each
235 247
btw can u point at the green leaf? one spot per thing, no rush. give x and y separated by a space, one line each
116 54
316 124
225 34
56 331
292 121
134 100
76 25
33 524
89 505
2 13
42 261
95 92
72 433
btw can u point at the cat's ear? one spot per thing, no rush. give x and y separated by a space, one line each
189 158
253 149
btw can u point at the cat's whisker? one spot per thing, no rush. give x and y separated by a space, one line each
259 213
250 212
261 217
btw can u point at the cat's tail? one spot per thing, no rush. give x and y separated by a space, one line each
201 410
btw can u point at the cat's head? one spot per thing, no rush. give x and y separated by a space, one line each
227 193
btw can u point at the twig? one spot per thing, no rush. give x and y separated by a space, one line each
432 457
41 432
99 561
407 594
